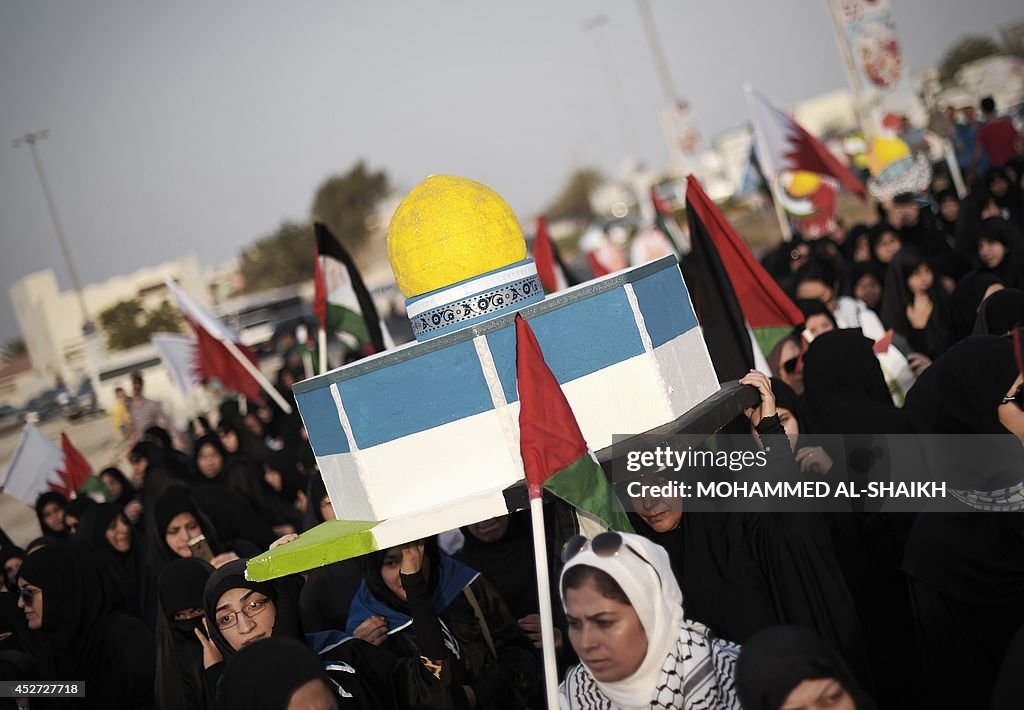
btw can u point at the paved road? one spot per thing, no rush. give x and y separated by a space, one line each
96 440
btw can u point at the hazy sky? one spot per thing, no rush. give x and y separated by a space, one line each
194 127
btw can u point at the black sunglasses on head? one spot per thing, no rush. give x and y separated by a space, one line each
607 544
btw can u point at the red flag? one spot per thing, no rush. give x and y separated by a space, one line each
76 469
214 361
764 303
549 436
544 257
319 291
783 144
596 266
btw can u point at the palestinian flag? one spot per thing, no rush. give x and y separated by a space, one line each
783 144
553 274
38 465
740 307
340 300
555 455
666 223
211 357
596 266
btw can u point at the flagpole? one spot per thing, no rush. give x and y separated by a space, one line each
949 152
851 72
773 186
255 372
321 344
547 622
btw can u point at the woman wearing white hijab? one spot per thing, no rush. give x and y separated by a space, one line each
626 624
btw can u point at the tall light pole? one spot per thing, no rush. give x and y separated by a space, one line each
30 139
664 76
594 25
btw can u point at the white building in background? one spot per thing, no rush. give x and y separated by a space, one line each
51 320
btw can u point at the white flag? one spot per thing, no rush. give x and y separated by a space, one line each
178 355
36 464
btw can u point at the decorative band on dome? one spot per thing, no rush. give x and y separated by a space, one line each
474 300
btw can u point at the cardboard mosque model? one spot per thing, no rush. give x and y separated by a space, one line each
424 438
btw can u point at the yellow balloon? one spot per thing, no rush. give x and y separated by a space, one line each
449 229
803 183
884 152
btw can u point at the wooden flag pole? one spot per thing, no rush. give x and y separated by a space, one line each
321 344
547 623
255 372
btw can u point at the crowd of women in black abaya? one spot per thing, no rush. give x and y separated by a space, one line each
888 610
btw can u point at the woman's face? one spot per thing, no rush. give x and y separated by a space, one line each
113 485
949 209
490 530
791 351
887 246
230 441
869 290
605 633
326 509
660 514
182 528
921 279
209 461
273 479
139 466
790 424
1010 415
819 694
11 569
819 323
999 186
862 249
30 601
243 629
119 534
815 291
53 516
991 253
391 569
254 425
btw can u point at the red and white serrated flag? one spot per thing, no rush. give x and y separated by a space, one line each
39 465
783 144
177 352
211 358
545 256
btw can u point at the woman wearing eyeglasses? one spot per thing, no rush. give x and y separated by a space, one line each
966 570
240 613
70 602
626 623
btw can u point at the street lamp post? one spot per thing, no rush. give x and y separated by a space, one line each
594 25
30 139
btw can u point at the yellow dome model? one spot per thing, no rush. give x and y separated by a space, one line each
449 229
884 152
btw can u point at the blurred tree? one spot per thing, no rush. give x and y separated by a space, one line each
127 324
573 202
281 258
965 51
123 326
13 349
345 202
164 319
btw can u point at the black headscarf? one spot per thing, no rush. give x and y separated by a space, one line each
966 299
179 654
507 563
372 563
1000 312
845 391
41 501
125 567
811 307
127 489
1011 269
291 480
875 235
316 491
230 576
266 674
76 508
776 660
201 478
174 501
898 297
860 270
6 554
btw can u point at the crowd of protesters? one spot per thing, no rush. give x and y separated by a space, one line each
145 597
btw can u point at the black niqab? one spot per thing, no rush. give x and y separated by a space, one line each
180 683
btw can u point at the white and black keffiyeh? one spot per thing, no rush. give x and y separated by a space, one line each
699 674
